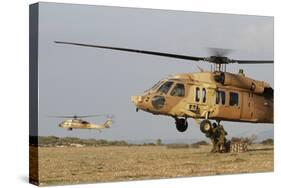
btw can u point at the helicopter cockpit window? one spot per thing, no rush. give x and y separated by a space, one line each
220 97
233 99
197 94
155 86
204 95
178 91
164 88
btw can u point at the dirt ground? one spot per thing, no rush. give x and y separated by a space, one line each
72 165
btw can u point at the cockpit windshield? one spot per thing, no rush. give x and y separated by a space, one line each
155 86
164 88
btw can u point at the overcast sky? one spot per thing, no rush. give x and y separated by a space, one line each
80 80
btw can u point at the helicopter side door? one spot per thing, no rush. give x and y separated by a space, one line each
227 105
234 103
174 98
221 108
247 107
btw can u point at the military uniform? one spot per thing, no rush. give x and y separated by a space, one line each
221 139
212 136
217 135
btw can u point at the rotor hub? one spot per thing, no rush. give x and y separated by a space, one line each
218 59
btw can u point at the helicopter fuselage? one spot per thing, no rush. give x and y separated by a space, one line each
210 95
82 124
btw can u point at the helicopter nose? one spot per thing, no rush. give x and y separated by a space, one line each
134 99
137 100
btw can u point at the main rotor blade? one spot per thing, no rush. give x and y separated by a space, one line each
61 116
111 116
97 115
75 116
193 58
218 54
251 62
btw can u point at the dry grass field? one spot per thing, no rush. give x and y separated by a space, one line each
71 165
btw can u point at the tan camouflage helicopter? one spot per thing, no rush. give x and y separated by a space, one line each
214 95
77 123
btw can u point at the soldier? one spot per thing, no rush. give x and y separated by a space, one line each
221 139
217 135
213 137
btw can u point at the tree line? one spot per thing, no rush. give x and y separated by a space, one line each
49 141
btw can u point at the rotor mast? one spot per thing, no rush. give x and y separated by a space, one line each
218 67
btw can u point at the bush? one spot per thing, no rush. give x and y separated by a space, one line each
250 140
149 144
177 146
158 142
195 146
201 143
67 141
268 141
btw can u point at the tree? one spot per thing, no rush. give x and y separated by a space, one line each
158 142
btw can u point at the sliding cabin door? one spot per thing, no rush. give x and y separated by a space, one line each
227 105
247 107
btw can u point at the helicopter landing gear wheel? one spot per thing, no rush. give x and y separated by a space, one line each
205 126
181 124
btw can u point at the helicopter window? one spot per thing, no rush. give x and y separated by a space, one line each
217 97
220 97
204 94
84 122
197 94
178 90
164 88
155 86
268 93
233 100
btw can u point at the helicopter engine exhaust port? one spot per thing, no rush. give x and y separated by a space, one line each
181 124
205 126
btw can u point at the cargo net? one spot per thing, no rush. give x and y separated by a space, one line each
240 145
